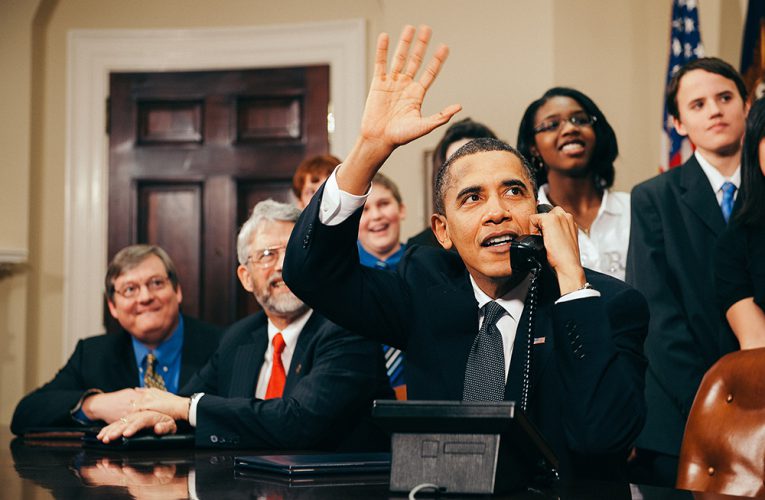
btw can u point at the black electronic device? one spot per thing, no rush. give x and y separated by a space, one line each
464 447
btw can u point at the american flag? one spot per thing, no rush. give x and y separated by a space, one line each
685 46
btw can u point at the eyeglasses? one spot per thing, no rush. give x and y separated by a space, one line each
132 290
267 257
577 120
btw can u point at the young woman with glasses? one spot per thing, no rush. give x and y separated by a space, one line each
570 143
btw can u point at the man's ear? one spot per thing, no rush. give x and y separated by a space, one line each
679 127
401 211
245 278
179 293
112 307
441 230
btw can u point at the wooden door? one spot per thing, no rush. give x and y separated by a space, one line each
190 153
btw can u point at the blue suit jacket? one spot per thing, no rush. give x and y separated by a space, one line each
587 377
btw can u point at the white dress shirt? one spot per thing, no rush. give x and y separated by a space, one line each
716 179
336 206
605 248
290 336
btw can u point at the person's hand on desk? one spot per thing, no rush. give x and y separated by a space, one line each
176 407
109 406
130 424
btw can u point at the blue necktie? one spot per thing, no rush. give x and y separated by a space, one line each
728 189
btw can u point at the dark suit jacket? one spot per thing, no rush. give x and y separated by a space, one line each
676 221
587 376
105 362
333 378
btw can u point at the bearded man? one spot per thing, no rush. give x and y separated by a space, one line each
283 378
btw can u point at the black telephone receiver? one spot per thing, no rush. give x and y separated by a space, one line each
528 254
528 251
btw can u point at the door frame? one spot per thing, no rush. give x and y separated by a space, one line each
93 54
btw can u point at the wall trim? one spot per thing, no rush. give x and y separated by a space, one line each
93 54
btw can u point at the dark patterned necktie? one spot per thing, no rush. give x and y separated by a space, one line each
485 371
152 379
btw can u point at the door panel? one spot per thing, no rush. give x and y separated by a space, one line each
191 152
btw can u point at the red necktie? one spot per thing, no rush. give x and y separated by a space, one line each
276 382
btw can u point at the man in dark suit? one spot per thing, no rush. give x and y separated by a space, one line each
586 369
97 383
676 219
284 378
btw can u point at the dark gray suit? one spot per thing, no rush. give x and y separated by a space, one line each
676 221
105 362
333 378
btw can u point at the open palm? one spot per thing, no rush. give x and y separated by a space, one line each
393 112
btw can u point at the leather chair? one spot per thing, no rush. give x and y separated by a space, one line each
724 444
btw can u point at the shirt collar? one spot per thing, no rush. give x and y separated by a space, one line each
716 179
167 352
512 301
291 333
608 204
368 260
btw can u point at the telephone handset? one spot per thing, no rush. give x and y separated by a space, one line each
528 252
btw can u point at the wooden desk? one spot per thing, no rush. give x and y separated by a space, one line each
69 471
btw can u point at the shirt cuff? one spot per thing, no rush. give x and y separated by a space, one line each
77 413
193 408
336 205
584 293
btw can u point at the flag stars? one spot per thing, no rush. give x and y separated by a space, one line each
677 47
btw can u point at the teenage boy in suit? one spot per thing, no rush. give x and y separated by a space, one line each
676 219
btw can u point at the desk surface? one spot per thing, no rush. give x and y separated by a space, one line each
69 471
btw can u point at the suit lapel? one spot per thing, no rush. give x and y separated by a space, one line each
454 331
542 341
247 363
189 353
311 327
698 196
127 366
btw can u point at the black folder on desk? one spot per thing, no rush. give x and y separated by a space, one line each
144 440
316 465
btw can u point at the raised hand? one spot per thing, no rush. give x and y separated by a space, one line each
393 112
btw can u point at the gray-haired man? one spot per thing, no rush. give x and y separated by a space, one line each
284 378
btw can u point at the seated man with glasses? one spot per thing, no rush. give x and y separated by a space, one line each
283 378
157 347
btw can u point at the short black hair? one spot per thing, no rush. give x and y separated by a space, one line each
752 178
475 146
606 148
710 65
